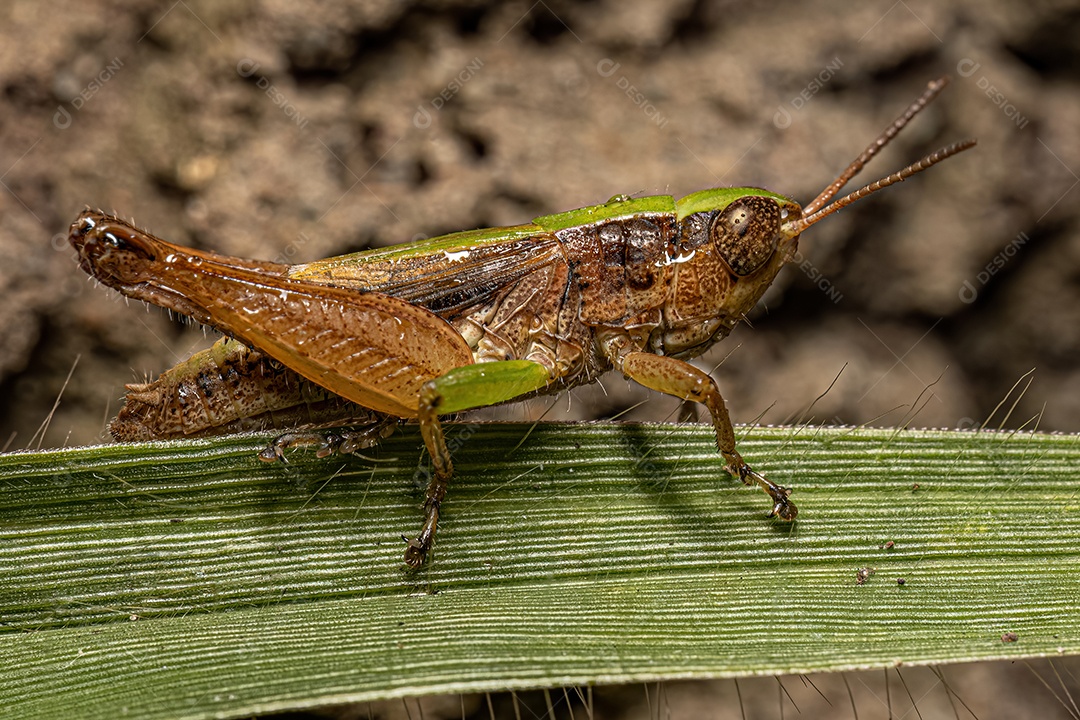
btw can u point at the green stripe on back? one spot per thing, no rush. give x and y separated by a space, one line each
717 199
618 210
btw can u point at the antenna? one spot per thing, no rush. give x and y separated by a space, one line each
819 207
932 159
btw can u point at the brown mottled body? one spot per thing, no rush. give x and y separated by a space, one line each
227 389
466 320
581 297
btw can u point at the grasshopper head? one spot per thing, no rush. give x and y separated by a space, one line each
746 234
754 232
755 225
734 241
731 244
754 228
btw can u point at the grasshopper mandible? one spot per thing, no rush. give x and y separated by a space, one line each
466 320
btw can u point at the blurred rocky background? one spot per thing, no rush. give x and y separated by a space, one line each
296 131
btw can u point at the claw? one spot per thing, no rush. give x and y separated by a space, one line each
783 508
330 445
272 453
418 549
414 554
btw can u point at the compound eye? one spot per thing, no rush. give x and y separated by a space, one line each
746 233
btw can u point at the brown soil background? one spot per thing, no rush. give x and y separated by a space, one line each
303 130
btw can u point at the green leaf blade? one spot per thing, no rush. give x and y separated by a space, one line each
568 555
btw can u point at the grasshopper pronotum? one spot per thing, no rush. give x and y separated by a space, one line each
466 320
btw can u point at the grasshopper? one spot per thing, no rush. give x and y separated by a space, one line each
466 320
